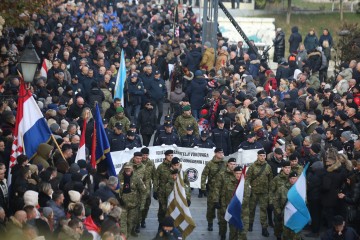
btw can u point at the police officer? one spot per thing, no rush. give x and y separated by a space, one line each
224 190
134 90
161 128
132 190
175 164
150 172
280 201
204 141
250 142
210 173
189 140
259 177
130 141
221 137
169 137
137 136
163 173
280 180
117 138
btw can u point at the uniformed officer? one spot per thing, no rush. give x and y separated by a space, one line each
150 172
280 180
224 190
130 141
189 139
161 128
163 173
132 190
204 141
117 138
221 137
209 174
137 136
175 164
259 177
280 201
169 137
294 163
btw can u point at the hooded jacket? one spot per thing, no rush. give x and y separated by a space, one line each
197 92
43 153
295 39
208 59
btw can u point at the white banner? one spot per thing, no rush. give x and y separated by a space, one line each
193 160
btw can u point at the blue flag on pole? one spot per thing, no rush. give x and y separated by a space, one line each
120 79
296 214
233 211
102 145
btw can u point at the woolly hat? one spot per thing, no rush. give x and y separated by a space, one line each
347 135
207 44
74 168
47 211
31 198
75 196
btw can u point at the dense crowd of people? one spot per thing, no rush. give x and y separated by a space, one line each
220 97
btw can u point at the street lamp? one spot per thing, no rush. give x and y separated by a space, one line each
29 61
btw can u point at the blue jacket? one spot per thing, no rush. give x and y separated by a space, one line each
134 91
197 92
311 42
221 139
157 90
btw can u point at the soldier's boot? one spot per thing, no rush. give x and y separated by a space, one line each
143 224
265 232
133 233
223 237
210 227
200 194
137 228
250 227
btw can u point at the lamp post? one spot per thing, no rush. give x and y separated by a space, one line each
29 61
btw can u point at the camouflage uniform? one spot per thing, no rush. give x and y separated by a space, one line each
225 186
244 212
298 169
169 186
124 121
210 172
276 184
150 172
162 176
132 200
140 172
260 186
182 122
280 201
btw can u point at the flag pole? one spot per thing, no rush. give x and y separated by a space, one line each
57 145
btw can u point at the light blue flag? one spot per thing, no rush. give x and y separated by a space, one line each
296 214
120 79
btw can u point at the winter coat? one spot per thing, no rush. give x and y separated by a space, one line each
332 182
294 40
275 165
221 139
196 55
314 61
104 193
157 89
197 92
58 212
43 154
254 68
68 233
313 179
117 142
221 60
347 234
108 99
177 95
279 44
147 121
250 88
134 91
183 121
43 199
311 42
326 38
208 59
96 95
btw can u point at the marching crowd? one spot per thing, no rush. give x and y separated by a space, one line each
222 97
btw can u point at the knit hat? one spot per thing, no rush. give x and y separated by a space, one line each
207 44
119 110
198 73
316 148
74 196
47 211
31 198
347 135
74 168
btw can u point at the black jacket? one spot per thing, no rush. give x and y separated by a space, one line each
294 40
147 121
221 139
275 165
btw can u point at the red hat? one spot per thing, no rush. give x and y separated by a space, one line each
268 72
204 112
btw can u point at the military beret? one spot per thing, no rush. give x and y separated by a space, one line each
292 157
137 154
218 150
262 151
175 160
238 169
174 171
293 174
285 164
186 108
145 150
168 152
128 165
232 160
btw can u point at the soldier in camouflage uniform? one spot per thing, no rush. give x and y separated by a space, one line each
184 120
244 206
280 201
175 164
119 118
150 172
224 190
132 194
259 177
210 173
280 180
294 163
163 174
